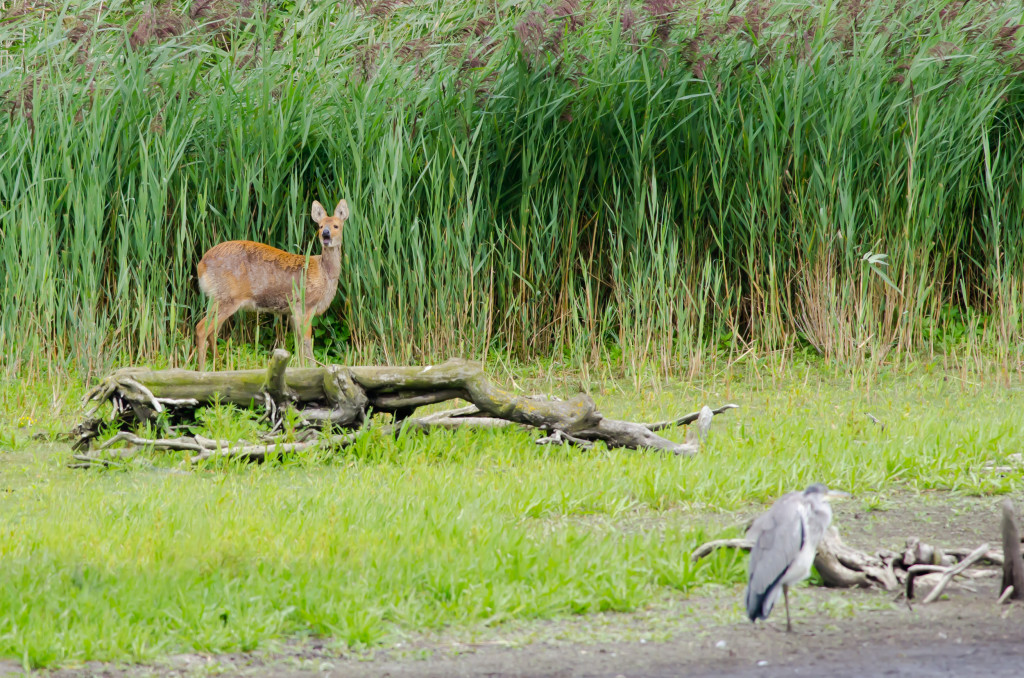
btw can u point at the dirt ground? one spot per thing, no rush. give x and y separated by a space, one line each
836 633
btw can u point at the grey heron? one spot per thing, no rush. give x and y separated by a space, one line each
785 539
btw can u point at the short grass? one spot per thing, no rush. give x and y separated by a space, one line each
451 529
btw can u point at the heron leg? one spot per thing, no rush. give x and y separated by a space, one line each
785 594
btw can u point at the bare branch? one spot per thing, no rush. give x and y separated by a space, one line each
89 461
915 571
993 557
183 443
686 419
453 423
178 402
261 452
394 401
951 572
706 549
467 411
561 438
144 394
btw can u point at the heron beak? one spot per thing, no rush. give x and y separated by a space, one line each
837 494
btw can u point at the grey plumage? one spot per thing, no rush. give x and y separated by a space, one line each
785 540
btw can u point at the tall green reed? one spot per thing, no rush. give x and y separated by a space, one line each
582 181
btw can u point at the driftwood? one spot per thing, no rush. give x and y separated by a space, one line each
346 397
950 572
707 548
841 566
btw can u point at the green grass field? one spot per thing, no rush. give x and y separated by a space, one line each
391 537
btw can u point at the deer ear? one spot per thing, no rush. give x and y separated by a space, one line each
318 212
341 211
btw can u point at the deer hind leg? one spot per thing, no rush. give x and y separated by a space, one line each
202 332
207 329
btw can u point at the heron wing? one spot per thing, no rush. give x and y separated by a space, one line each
778 536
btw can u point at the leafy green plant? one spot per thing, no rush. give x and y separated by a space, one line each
227 422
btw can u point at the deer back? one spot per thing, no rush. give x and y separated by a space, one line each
260 277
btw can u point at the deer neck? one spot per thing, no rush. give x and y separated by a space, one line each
330 264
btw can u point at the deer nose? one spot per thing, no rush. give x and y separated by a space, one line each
326 233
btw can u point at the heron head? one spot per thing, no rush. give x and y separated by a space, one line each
824 492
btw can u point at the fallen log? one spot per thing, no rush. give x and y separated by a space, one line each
345 397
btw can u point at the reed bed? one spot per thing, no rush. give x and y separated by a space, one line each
644 184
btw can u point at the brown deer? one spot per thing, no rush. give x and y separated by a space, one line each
241 274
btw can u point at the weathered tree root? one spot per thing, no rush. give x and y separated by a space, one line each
344 397
947 575
841 566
